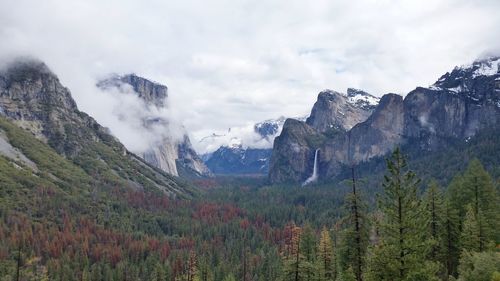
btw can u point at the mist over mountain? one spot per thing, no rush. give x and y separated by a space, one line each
461 103
239 154
32 98
274 140
166 143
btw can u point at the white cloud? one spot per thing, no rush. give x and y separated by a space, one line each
233 63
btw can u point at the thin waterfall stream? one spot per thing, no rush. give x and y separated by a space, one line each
314 175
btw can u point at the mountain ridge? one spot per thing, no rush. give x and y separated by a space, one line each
32 97
459 104
167 153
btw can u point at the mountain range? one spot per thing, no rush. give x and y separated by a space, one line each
48 138
174 156
239 158
453 110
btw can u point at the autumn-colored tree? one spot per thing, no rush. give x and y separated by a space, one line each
325 257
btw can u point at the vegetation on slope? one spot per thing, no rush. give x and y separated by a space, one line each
66 223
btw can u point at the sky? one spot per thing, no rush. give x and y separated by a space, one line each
231 63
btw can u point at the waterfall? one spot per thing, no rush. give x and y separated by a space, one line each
314 175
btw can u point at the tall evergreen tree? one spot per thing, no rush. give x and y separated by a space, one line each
355 236
476 188
433 204
403 248
470 238
325 257
296 266
450 240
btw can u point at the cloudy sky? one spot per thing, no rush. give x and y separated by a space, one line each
231 63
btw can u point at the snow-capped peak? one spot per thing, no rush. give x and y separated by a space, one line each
359 97
457 81
486 67
482 67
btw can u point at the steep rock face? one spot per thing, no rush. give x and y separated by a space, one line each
238 158
458 105
188 163
152 93
293 152
334 110
176 157
379 134
452 110
32 97
332 115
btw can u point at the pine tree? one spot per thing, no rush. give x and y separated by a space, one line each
433 203
308 249
476 187
348 275
470 239
436 215
296 266
403 249
325 257
450 240
355 236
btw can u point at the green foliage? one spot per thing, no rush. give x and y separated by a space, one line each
470 239
475 188
81 218
354 238
479 266
402 252
450 239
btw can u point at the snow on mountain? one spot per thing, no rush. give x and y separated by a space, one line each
361 98
257 136
479 68
482 75
243 150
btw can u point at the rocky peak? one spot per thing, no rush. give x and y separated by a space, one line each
293 152
337 111
479 81
362 99
32 97
269 128
152 93
461 103
176 157
33 83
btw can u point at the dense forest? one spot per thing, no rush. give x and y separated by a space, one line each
59 223
241 229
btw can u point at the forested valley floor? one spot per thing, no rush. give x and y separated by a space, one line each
243 229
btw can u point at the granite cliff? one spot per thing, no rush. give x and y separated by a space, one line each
33 98
453 109
173 155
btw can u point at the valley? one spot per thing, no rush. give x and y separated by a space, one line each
76 204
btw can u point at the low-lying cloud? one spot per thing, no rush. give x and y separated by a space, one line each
233 63
130 119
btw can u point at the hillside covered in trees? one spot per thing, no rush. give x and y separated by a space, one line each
243 229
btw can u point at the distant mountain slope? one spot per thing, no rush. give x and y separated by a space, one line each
454 109
239 158
175 156
32 98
